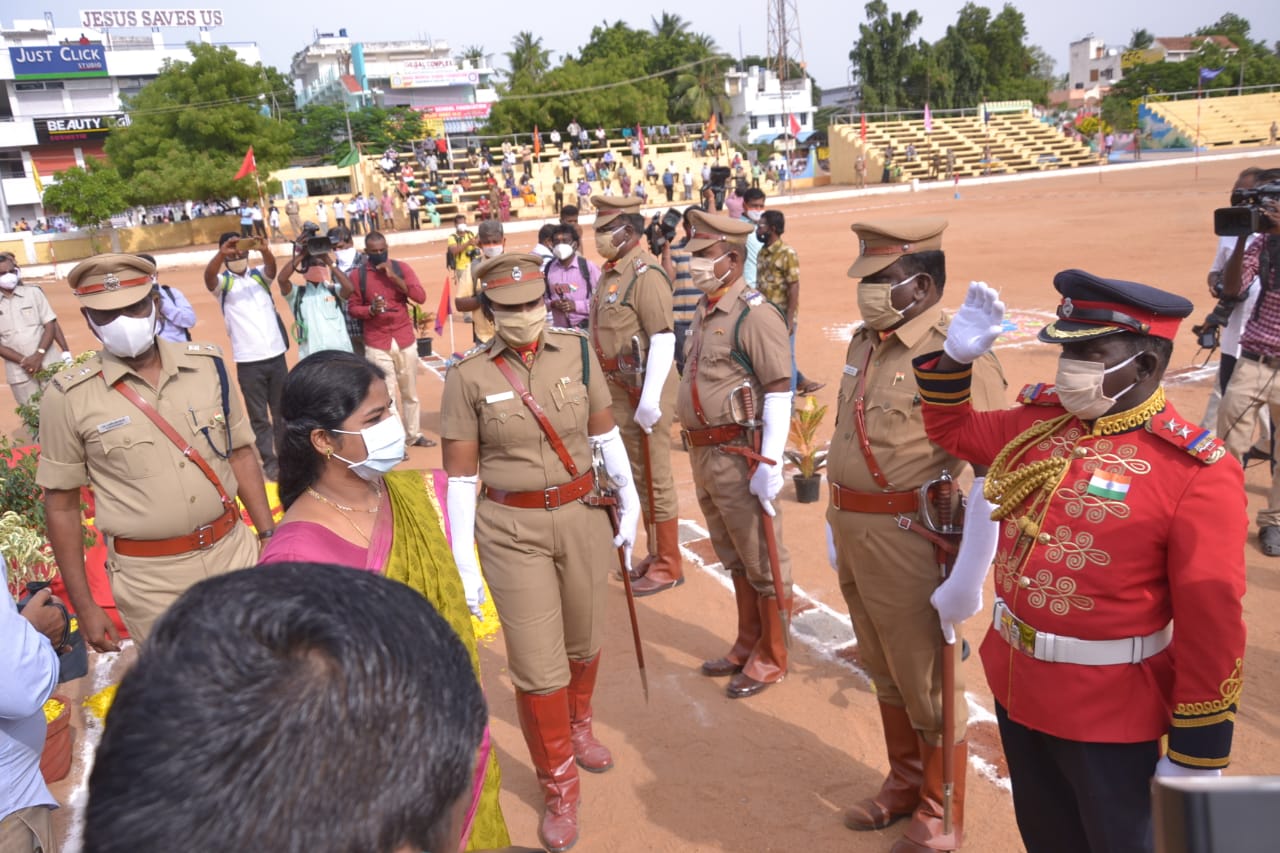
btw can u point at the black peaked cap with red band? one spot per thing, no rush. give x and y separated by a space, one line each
1092 307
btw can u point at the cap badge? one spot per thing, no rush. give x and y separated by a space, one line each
516 275
1067 307
111 282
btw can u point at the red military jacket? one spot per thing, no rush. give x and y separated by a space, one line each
1142 522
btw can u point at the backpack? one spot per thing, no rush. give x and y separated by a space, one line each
256 275
583 268
363 275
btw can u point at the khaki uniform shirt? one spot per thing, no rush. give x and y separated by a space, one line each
633 297
710 360
23 316
479 404
895 426
144 487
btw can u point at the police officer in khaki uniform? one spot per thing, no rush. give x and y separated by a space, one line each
544 549
167 522
738 337
879 459
633 301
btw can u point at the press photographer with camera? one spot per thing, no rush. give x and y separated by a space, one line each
1254 221
319 322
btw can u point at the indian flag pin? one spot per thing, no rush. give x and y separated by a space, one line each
1112 485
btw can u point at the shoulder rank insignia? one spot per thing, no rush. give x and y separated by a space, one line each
568 330
753 297
640 266
65 380
204 349
1197 441
1039 394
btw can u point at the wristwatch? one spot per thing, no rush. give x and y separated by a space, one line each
42 350
266 534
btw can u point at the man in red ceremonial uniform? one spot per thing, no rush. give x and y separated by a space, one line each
1118 517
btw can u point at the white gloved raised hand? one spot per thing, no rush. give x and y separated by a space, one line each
977 324
68 359
618 466
657 367
1166 769
766 480
831 548
960 595
461 502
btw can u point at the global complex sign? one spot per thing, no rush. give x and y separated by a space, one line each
411 76
58 62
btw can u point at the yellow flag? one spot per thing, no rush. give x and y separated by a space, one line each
35 176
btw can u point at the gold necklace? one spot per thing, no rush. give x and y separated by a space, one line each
377 501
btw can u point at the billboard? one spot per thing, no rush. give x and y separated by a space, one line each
107 19
456 111
410 77
58 61
78 128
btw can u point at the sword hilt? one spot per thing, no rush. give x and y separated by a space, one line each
939 512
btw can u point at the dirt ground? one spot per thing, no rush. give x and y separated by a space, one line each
698 771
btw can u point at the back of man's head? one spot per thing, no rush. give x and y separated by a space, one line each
297 707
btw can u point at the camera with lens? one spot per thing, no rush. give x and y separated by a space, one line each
1247 214
311 246
1209 331
662 229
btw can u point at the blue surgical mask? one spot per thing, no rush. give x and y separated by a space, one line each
383 445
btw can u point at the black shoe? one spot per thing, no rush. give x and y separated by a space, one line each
1269 539
423 441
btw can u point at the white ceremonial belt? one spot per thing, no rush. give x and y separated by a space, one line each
1054 648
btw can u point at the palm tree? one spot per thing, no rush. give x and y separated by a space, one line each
698 92
473 54
1140 39
669 26
527 56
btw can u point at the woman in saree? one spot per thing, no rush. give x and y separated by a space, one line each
344 504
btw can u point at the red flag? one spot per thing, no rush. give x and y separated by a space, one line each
795 125
862 133
249 165
537 141
640 136
445 308
712 123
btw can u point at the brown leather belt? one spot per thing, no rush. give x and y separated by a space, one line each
711 435
551 498
201 539
1264 360
888 503
609 365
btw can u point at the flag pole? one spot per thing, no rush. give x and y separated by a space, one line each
1199 97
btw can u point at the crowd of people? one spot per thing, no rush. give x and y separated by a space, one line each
555 435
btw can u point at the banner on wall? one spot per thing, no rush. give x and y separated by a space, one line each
58 61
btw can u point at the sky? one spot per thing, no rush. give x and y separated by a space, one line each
828 28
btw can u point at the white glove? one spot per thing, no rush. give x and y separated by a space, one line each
618 466
977 324
766 481
461 503
68 359
657 367
960 595
1166 769
831 548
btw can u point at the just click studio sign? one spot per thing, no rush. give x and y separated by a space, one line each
58 62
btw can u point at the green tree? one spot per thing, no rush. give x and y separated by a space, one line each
88 196
321 129
698 92
1140 39
883 55
528 57
191 126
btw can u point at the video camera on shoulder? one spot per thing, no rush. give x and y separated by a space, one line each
662 229
1246 215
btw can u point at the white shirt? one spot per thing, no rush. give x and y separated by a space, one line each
28 676
251 318
1230 340
339 210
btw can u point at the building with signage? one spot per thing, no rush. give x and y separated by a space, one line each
1094 67
61 88
764 108
335 70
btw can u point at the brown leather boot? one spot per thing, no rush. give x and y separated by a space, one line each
924 834
544 719
590 753
900 793
748 631
666 570
768 661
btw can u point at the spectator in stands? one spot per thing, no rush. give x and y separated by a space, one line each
462 249
526 160
910 152
381 302
624 181
177 317
388 211
1271 139
273 220
324 216
752 209
951 164
555 136
600 137
557 195
294 211
584 193
259 224
565 162
433 168
571 280
651 172
688 184
635 152
778 274
414 205
669 182
246 220
339 213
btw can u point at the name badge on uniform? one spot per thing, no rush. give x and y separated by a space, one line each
499 397
115 424
850 370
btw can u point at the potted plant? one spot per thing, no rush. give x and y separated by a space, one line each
423 323
804 452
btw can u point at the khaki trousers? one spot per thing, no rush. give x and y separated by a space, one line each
28 830
1253 386
664 484
144 587
886 576
401 367
548 571
733 517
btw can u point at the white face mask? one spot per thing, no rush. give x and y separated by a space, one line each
346 257
1079 386
462 229
875 302
383 447
9 280
520 328
754 215
491 251
127 337
563 251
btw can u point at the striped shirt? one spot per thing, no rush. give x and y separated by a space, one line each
1262 329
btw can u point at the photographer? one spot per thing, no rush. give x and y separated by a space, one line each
28 676
318 319
466 248
1252 385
